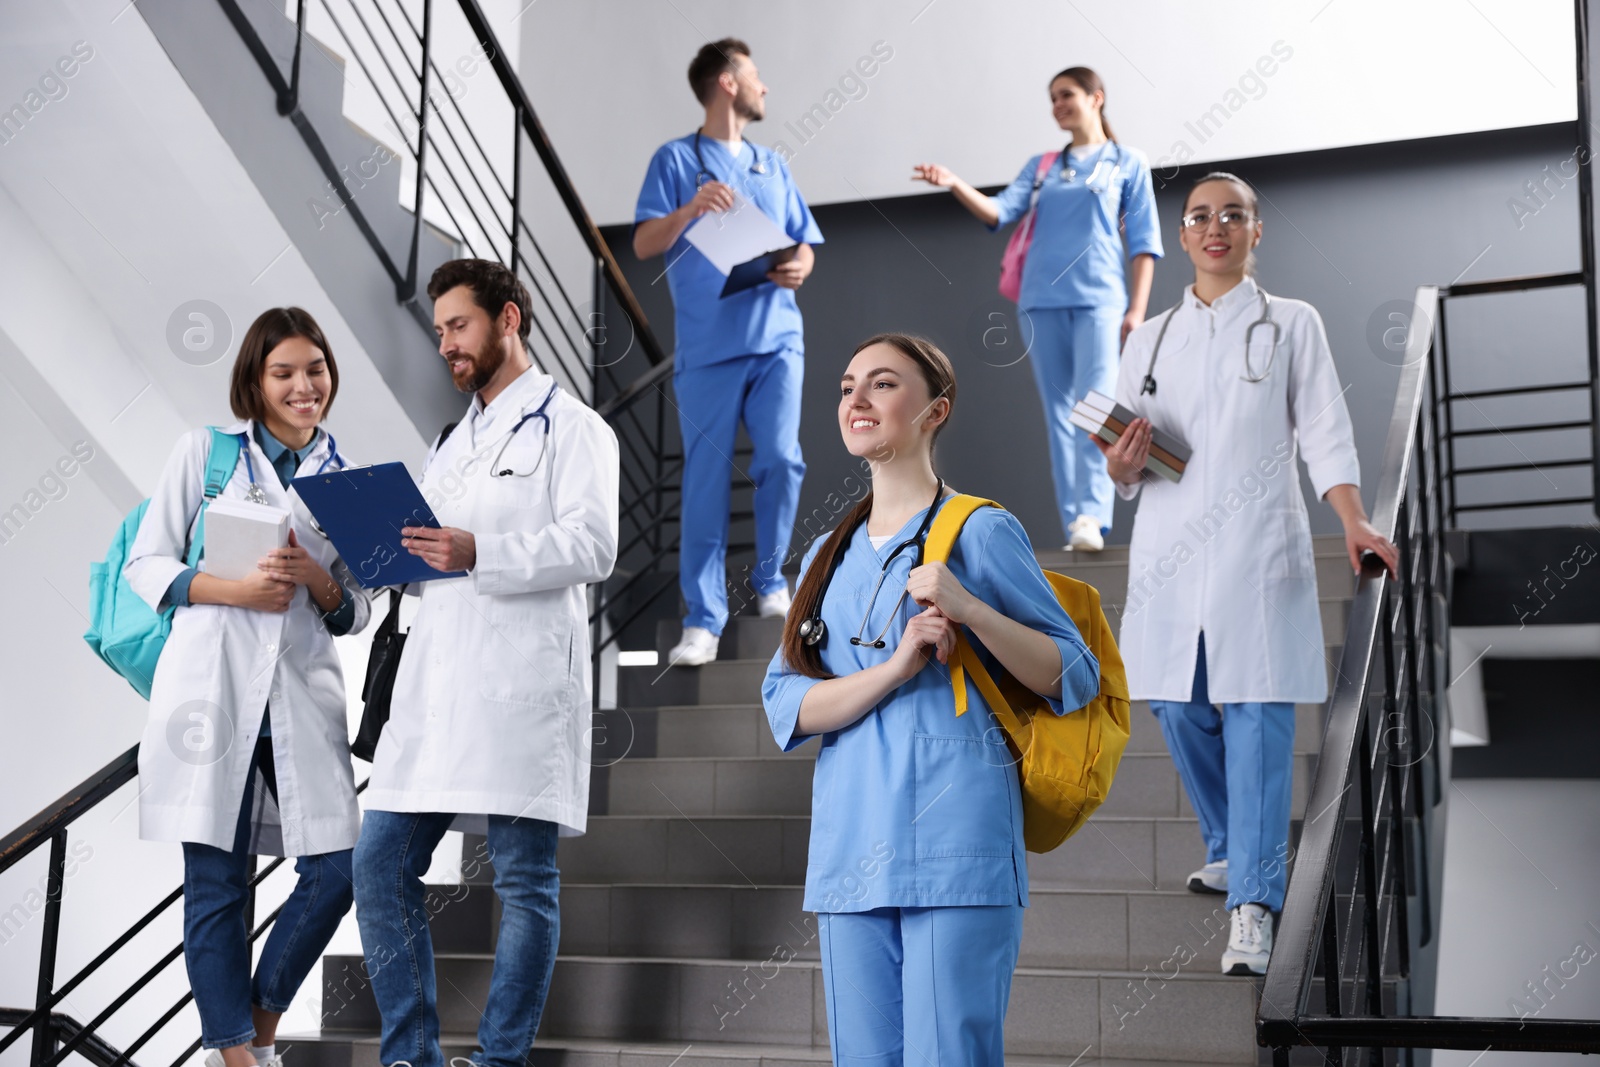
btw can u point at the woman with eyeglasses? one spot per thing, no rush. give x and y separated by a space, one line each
917 868
1221 630
1076 301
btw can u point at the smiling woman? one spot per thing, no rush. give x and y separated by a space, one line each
917 868
245 750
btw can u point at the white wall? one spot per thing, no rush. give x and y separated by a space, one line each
967 81
119 204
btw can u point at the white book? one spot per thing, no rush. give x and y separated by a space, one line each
238 533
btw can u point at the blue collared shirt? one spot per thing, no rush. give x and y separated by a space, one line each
757 321
1076 258
285 464
911 805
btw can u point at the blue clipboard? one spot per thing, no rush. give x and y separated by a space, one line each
362 510
753 272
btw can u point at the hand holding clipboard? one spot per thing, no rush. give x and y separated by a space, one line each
364 510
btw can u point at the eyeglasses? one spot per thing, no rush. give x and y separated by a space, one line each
1230 218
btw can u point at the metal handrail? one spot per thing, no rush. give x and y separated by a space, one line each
1342 934
647 575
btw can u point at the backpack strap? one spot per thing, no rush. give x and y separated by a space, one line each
936 549
221 458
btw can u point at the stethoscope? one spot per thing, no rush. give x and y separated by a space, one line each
814 631
1266 319
1069 173
537 413
703 175
257 495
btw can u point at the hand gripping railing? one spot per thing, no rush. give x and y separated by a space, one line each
1361 921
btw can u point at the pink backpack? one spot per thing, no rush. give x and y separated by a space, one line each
1016 253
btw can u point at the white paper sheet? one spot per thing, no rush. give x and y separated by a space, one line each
743 232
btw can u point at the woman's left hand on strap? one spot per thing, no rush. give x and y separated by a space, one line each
1361 536
933 585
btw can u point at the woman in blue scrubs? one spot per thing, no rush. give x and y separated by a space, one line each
917 868
1076 300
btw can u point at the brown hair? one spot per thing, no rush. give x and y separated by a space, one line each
1250 191
493 286
271 329
940 377
711 62
1087 80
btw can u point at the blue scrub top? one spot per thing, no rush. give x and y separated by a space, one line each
757 321
1076 258
912 806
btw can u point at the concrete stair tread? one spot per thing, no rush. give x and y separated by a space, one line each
803 754
671 1052
811 965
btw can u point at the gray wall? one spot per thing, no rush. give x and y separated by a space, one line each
1351 230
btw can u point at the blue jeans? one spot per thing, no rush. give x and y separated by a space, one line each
393 854
216 943
1236 763
1074 351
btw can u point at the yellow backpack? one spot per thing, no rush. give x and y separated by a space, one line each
1065 762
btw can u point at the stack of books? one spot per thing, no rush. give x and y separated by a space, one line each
239 533
1107 420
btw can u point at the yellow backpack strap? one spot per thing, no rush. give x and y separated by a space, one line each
936 549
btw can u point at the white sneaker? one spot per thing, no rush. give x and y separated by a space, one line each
1212 878
774 605
1084 534
698 647
214 1059
1249 942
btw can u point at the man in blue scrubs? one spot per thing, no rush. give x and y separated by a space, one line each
736 358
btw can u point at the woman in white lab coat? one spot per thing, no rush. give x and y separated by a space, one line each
246 748
1221 630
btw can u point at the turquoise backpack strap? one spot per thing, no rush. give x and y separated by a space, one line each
220 461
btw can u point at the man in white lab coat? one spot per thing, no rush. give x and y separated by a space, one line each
491 708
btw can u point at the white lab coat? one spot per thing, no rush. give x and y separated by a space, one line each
1227 550
220 668
491 710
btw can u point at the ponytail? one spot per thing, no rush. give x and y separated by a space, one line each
800 657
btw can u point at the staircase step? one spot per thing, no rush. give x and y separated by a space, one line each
731 730
778 1000
1146 784
744 637
1111 853
750 637
738 681
1110 576
345 1050
1126 930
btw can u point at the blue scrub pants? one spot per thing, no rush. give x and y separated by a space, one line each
763 391
1073 351
923 986
1237 764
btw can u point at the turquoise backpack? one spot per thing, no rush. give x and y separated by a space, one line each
123 630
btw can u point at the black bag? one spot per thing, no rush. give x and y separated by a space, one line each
383 663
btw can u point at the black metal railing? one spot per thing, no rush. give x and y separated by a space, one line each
1449 398
474 186
1354 966
477 192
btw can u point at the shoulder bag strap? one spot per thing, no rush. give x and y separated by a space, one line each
953 515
